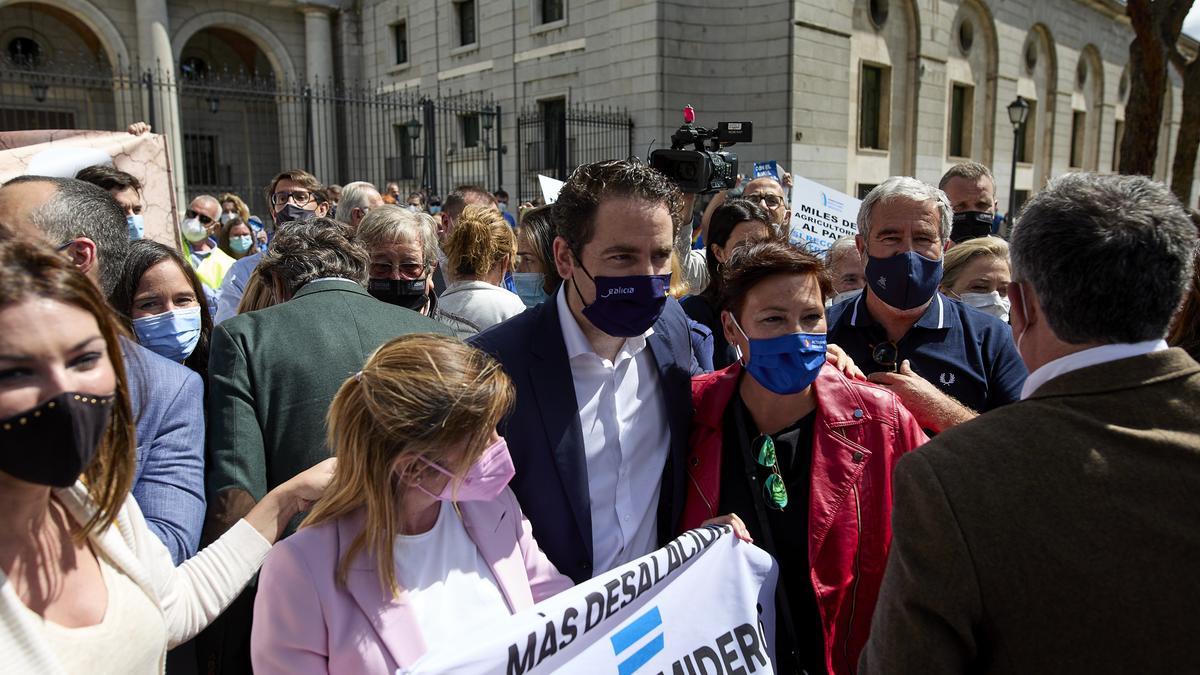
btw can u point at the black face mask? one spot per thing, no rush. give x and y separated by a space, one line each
406 293
970 225
290 212
55 442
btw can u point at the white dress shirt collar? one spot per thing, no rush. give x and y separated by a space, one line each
577 343
1088 357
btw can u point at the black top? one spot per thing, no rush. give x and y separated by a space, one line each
700 310
782 533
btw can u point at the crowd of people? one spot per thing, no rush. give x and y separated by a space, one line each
965 453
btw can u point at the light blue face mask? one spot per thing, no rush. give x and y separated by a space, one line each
530 286
241 243
137 228
172 335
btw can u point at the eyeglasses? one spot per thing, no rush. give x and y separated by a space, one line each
766 199
298 197
204 220
886 354
383 270
774 491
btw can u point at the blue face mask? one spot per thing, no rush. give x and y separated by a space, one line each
904 281
172 335
626 306
435 209
530 286
508 283
137 229
241 243
787 364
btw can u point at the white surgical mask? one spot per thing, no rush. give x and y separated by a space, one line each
991 303
194 230
843 296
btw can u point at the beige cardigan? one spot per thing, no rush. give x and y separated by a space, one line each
190 596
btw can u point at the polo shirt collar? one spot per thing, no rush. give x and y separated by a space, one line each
937 315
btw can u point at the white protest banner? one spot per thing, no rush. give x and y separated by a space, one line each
550 188
821 215
689 608
64 152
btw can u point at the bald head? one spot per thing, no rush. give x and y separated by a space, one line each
768 193
19 200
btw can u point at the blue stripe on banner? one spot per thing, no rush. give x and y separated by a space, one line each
638 629
641 656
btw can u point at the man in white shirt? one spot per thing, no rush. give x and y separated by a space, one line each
1059 533
602 373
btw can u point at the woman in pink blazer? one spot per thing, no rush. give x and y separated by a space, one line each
417 541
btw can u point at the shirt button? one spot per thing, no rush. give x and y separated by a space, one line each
857 456
858 413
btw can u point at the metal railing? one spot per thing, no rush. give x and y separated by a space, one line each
555 138
239 129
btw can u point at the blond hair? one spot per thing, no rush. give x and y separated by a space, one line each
480 240
258 295
956 258
417 396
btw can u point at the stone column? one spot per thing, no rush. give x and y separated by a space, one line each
318 58
155 56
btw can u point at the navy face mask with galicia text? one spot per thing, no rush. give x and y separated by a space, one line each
626 306
904 281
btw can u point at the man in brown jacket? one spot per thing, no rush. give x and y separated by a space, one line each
1061 533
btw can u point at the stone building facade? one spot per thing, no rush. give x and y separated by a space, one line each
843 93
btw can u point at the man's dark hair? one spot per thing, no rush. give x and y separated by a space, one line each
724 219
305 179
306 250
574 211
109 178
456 201
1109 257
753 264
967 170
501 194
78 209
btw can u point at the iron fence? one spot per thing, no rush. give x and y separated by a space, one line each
554 138
238 129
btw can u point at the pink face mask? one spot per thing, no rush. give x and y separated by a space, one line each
485 480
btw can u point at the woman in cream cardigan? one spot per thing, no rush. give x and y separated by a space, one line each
85 587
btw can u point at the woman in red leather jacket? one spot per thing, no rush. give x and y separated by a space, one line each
801 454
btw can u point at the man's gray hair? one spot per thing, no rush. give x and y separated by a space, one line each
840 249
967 170
1109 257
390 224
80 209
316 248
908 189
356 195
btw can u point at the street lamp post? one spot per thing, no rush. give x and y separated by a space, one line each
413 128
1018 111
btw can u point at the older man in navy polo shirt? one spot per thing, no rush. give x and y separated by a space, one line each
946 361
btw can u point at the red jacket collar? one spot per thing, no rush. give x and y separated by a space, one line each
838 403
